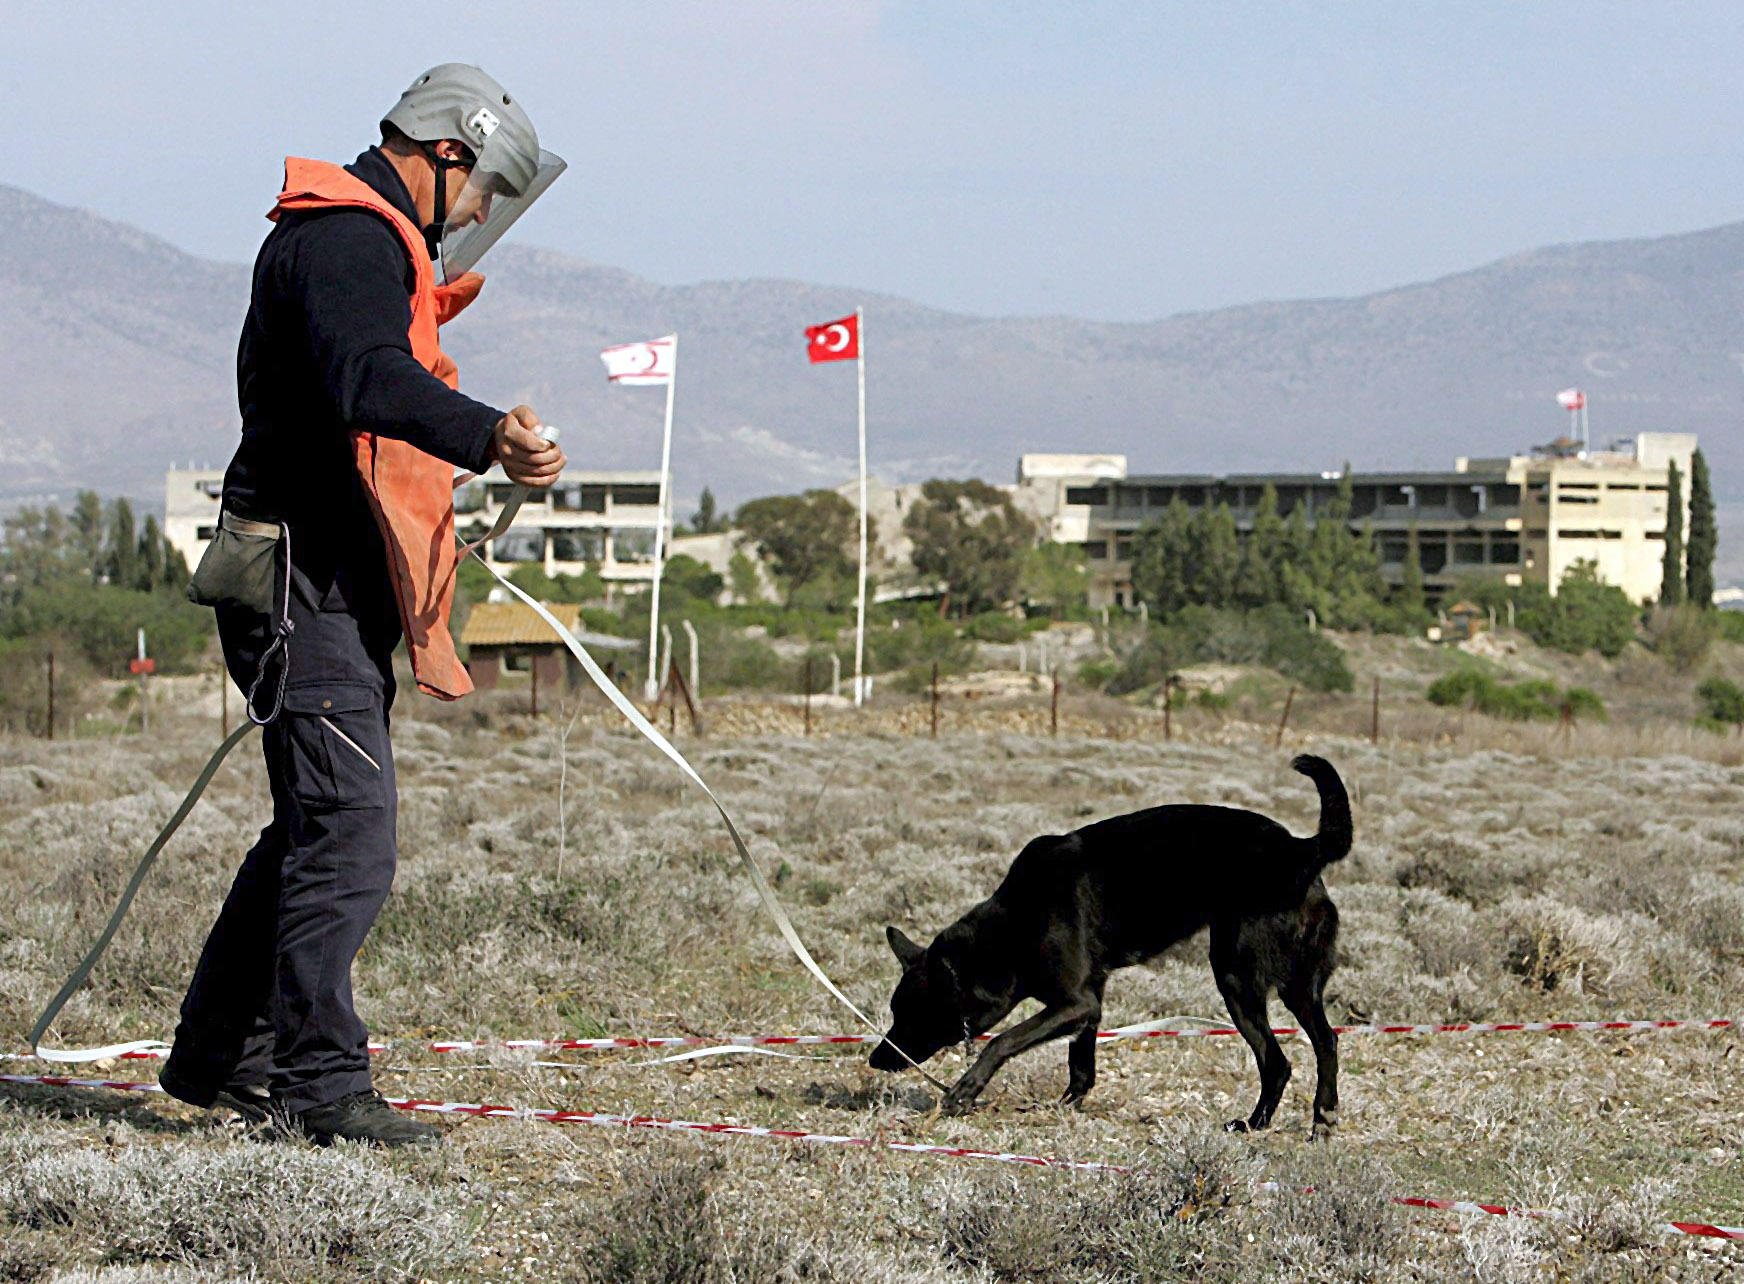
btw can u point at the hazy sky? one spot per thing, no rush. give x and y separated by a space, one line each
1117 161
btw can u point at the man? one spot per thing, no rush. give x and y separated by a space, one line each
352 428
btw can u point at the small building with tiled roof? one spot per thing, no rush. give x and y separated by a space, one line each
512 632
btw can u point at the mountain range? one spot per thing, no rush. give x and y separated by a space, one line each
119 353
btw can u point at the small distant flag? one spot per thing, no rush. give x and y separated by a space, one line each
650 362
1571 399
834 340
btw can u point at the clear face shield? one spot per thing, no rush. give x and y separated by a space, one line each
488 207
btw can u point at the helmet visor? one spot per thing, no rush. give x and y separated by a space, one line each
486 208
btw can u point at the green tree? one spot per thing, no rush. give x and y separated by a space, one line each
1410 594
1214 557
804 536
1055 577
1590 613
87 526
706 521
1671 568
742 575
1160 553
1703 536
1296 576
121 555
1258 581
685 574
151 574
971 536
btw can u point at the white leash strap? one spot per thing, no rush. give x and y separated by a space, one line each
651 733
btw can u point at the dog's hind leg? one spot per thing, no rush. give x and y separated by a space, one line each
1081 1057
1306 1003
1247 1008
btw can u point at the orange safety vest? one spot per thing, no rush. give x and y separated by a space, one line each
411 493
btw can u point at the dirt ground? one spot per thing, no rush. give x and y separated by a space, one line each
559 879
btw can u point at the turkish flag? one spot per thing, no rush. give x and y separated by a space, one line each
834 340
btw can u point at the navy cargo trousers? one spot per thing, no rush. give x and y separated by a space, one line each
270 1003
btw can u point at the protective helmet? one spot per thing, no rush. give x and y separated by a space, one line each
510 171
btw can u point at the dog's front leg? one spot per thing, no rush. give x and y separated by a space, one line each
1050 1023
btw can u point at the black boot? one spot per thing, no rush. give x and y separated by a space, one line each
249 1100
363 1116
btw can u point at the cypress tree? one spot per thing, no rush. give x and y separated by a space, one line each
1703 536
1217 556
121 557
151 556
1671 569
1159 559
1257 580
1411 574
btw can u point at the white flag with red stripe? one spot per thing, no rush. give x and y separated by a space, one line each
650 362
1571 399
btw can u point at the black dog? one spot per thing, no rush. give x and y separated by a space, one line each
1073 908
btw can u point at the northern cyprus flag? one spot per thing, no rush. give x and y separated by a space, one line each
649 362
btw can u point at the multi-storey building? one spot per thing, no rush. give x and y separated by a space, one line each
1523 518
602 519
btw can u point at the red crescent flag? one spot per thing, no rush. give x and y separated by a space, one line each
834 340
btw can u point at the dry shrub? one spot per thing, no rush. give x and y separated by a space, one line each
1331 1220
1552 946
287 1211
1159 1222
1479 873
668 1225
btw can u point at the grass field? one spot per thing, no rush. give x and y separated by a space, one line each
1498 874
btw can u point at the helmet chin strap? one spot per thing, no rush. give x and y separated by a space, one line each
433 231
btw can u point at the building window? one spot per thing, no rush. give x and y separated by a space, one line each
1504 552
1565 498
1432 558
578 546
212 488
1092 496
1157 496
579 498
1393 549
633 545
1122 550
519 544
211 532
1096 550
1468 552
501 492
637 496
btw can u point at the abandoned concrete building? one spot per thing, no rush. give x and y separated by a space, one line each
1524 518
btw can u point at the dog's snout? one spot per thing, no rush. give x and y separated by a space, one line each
886 1057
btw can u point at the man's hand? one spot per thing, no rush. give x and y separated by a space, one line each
526 457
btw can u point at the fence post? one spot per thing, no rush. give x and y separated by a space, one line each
1289 699
808 695
1054 706
51 695
533 664
223 698
1169 707
1375 715
935 690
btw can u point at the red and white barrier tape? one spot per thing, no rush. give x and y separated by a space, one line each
600 1119
149 1052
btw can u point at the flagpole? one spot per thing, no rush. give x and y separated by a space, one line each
651 689
860 610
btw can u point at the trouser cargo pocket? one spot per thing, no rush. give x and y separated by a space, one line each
336 745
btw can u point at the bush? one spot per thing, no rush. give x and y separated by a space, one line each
102 623
1723 700
1729 625
1272 636
1682 635
992 626
1531 700
1584 615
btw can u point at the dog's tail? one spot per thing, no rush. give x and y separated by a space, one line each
1333 839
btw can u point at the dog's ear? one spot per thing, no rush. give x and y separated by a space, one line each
906 951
